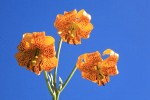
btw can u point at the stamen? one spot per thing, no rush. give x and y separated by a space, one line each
101 76
68 40
66 36
72 35
28 63
74 42
33 62
40 65
33 68
37 52
36 57
103 83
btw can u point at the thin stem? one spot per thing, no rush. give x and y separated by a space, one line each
68 79
57 96
57 55
48 85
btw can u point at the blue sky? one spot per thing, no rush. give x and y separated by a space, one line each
122 25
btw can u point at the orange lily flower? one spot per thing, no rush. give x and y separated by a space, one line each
73 25
97 70
37 52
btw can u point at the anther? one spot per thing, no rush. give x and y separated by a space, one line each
36 57
33 62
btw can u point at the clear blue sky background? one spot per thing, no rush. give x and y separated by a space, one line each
122 25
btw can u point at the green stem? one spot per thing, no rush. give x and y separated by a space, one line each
56 92
48 84
57 96
57 55
68 79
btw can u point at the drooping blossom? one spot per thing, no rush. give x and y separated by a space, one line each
73 25
96 69
36 52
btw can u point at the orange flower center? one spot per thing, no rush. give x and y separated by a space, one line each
35 59
72 31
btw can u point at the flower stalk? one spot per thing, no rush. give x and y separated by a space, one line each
48 84
53 89
57 56
68 79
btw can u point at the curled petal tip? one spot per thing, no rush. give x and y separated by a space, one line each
110 52
87 15
59 32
